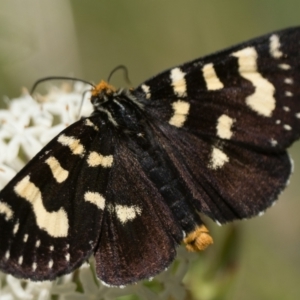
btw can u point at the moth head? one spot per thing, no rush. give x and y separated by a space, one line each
102 92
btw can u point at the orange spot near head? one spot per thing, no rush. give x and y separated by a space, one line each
198 239
103 86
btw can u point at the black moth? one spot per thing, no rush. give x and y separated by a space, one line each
127 183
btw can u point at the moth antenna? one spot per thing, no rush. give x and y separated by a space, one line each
120 67
81 103
58 78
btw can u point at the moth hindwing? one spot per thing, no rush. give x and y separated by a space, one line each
127 183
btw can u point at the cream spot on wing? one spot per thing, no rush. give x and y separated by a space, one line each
274 46
25 238
67 256
58 172
297 115
51 248
20 260
95 198
56 224
34 266
72 143
284 66
146 89
37 243
178 82
287 127
288 80
262 101
224 125
273 142
50 264
127 213
181 110
211 77
88 122
286 108
16 228
278 122
218 159
288 94
7 254
96 159
6 210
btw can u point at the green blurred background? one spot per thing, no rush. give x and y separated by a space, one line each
87 39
